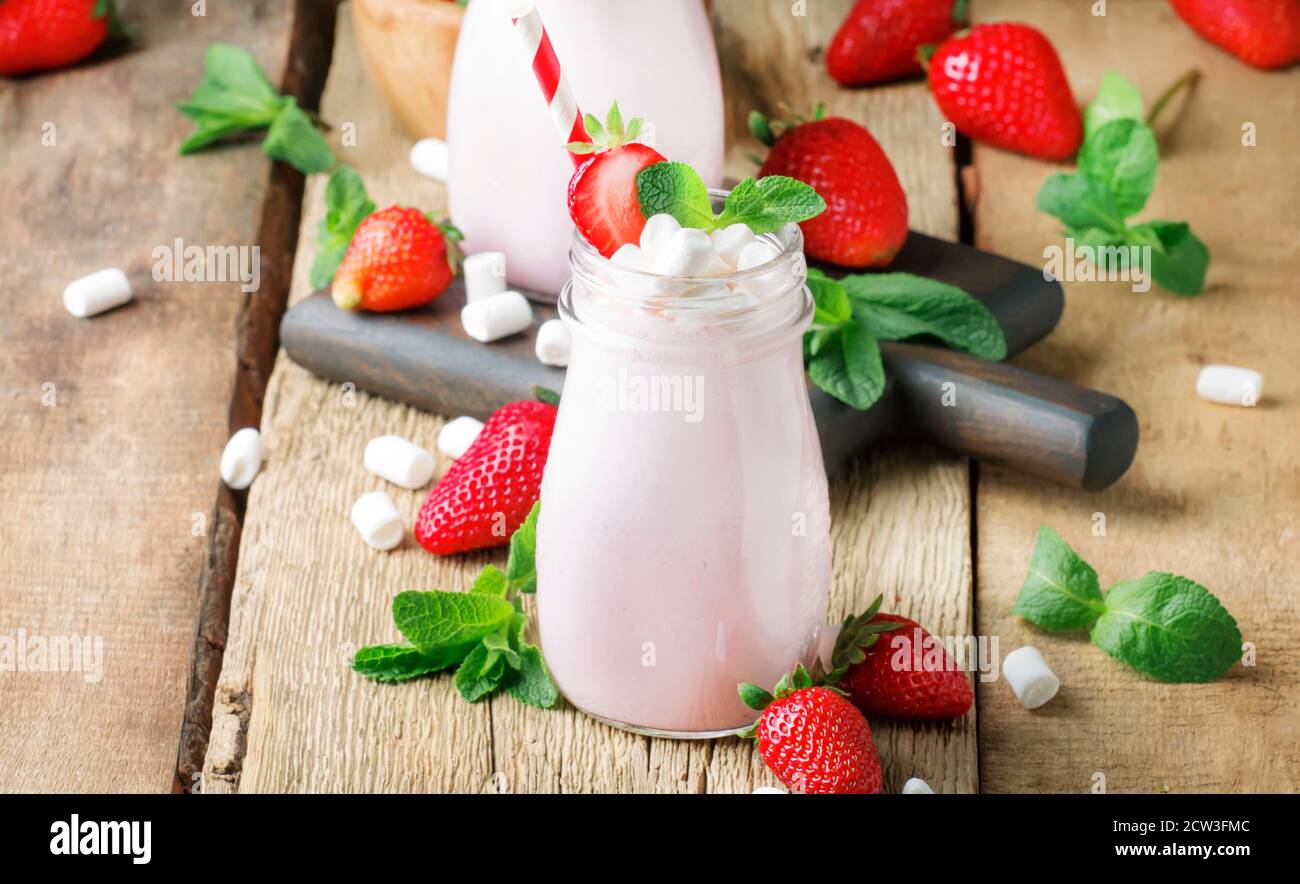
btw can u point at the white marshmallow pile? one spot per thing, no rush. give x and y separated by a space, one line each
666 249
770 790
917 786
100 291
399 461
456 436
1032 680
429 157
376 518
241 459
553 343
1230 385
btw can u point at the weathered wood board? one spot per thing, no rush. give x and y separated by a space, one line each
290 715
113 426
1215 491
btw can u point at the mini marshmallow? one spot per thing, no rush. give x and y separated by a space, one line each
485 275
917 786
429 157
631 256
456 436
496 316
688 252
376 517
553 343
728 242
1230 385
399 461
1030 677
658 230
100 291
756 254
241 458
770 790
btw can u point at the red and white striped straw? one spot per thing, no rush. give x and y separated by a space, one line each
546 67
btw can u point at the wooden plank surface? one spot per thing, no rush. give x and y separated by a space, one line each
290 716
1215 491
113 426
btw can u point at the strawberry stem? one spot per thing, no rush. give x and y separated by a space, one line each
961 13
1187 81
545 394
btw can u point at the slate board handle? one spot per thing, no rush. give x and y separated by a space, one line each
1011 417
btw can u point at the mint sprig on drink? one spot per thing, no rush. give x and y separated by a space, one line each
1166 626
766 205
235 96
480 632
1116 174
852 314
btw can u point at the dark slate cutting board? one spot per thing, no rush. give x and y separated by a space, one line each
1001 414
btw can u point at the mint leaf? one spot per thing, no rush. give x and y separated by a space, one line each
770 203
1178 258
395 662
346 205
675 189
831 305
233 95
521 566
1122 155
533 685
447 625
1117 99
896 306
480 674
1080 201
848 367
1106 249
499 643
1169 627
1061 590
490 581
294 138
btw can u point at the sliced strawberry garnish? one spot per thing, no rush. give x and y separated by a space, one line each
602 192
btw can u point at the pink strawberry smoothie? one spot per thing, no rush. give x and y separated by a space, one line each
508 172
683 541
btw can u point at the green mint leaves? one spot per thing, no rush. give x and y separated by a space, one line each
765 205
346 205
235 96
480 632
841 349
1161 624
1115 176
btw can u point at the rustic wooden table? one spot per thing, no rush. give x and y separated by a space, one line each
98 491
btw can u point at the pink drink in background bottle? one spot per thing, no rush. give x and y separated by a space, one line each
508 173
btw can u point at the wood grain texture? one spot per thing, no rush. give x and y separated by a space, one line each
291 717
100 490
1215 491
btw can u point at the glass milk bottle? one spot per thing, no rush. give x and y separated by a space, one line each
509 173
683 542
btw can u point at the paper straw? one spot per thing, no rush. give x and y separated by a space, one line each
546 67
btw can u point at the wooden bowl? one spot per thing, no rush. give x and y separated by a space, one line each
407 48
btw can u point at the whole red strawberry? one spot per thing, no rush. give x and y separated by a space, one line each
813 739
875 686
38 35
397 259
865 222
603 199
489 490
1263 33
879 38
1003 84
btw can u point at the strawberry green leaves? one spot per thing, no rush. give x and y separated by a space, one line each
765 205
608 136
235 96
480 632
1166 626
346 205
1115 177
841 349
